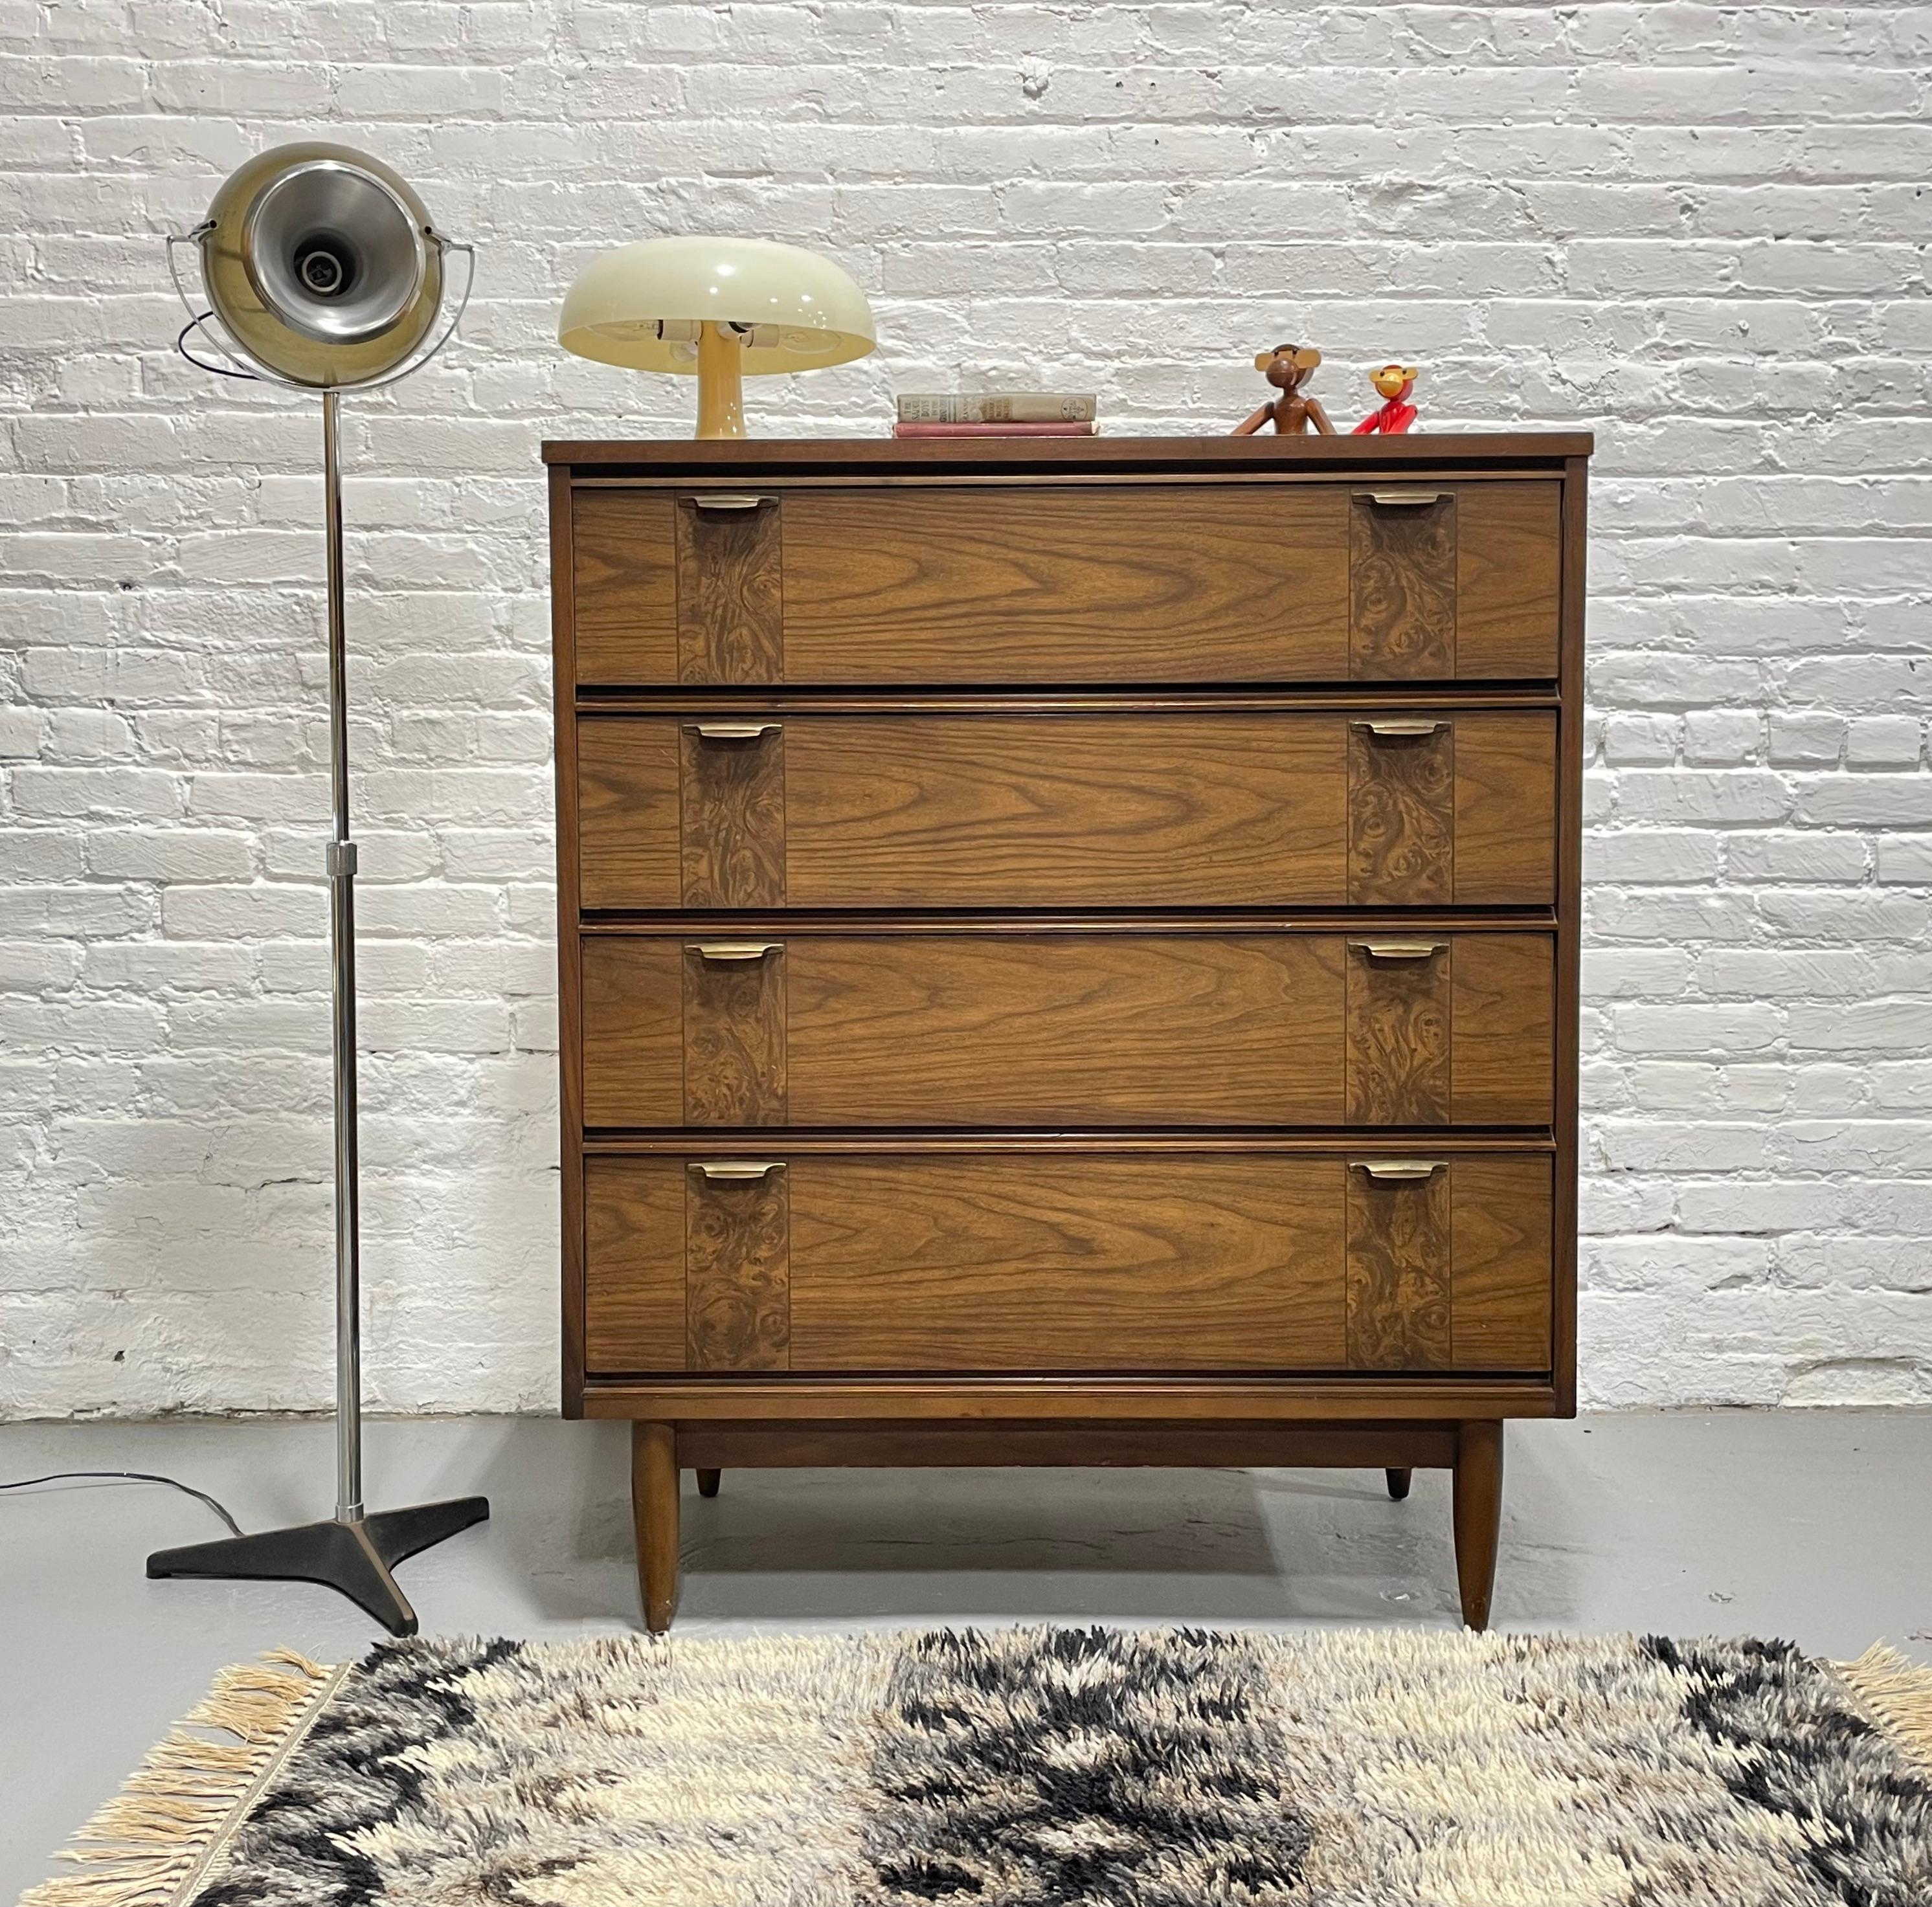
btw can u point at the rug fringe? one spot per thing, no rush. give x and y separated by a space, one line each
1898 1692
171 1814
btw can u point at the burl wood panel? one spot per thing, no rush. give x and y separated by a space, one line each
733 840
737 1278
634 1264
624 580
1509 578
730 594
634 1030
1102 1028
1402 816
1100 810
1506 808
1144 583
1500 1217
1040 1262
1402 595
627 813
1399 1272
1503 1017
1398 1046
734 1040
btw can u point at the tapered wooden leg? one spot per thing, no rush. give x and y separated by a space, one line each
1479 1515
654 1508
707 1482
1398 1483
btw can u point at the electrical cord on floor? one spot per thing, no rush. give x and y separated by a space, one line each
129 1476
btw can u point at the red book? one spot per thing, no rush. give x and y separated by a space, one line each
993 430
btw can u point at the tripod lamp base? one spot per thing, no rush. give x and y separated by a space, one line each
355 1557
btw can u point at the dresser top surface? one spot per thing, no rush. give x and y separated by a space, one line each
977 456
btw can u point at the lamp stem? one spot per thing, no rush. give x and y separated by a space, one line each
341 864
721 388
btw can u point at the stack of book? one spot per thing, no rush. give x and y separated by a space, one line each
997 414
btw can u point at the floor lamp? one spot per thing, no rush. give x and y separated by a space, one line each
322 272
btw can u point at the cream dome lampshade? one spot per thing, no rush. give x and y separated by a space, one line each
724 308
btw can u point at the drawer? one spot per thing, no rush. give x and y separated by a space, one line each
820 1028
1068 582
1137 809
992 1259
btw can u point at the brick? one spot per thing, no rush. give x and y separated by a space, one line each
1529 198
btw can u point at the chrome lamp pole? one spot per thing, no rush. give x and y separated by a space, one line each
324 273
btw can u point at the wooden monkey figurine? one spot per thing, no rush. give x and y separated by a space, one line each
1287 367
1392 383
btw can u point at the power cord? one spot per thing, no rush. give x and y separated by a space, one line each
130 1477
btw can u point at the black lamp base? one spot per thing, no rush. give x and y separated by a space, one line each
355 1557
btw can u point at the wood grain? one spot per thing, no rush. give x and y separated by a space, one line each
1016 586
813 1445
624 582
993 1029
1206 1397
1043 1263
734 1040
1477 1510
1106 1029
1045 458
1401 589
654 1515
1101 809
1503 1017
732 845
1500 1212
634 1264
1399 1044
633 1031
569 1003
627 810
1505 800
1399 1272
1170 809
730 594
1509 568
737 1278
1401 817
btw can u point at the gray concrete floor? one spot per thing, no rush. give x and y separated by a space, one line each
1812 1525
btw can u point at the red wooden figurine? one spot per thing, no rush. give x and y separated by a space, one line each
1394 382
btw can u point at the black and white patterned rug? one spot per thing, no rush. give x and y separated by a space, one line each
1035 1767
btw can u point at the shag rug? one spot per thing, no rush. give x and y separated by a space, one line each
1036 1767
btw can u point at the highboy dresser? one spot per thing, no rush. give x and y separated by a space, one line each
1068 953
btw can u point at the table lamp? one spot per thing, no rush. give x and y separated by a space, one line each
725 308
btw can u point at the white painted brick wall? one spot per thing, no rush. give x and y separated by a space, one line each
1699 230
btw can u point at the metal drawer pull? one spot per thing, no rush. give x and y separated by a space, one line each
731 731
1398 1168
719 499
733 949
737 1168
1400 949
1403 500
1401 725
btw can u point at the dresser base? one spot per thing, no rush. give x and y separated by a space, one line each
1471 1447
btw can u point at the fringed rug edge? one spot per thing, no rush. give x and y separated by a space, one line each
175 1815
1897 1692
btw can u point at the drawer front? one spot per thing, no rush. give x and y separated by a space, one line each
1072 584
993 1261
1013 1029
1104 809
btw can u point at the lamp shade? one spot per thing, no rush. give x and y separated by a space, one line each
641 305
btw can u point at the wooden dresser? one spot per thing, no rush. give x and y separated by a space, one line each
1068 953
